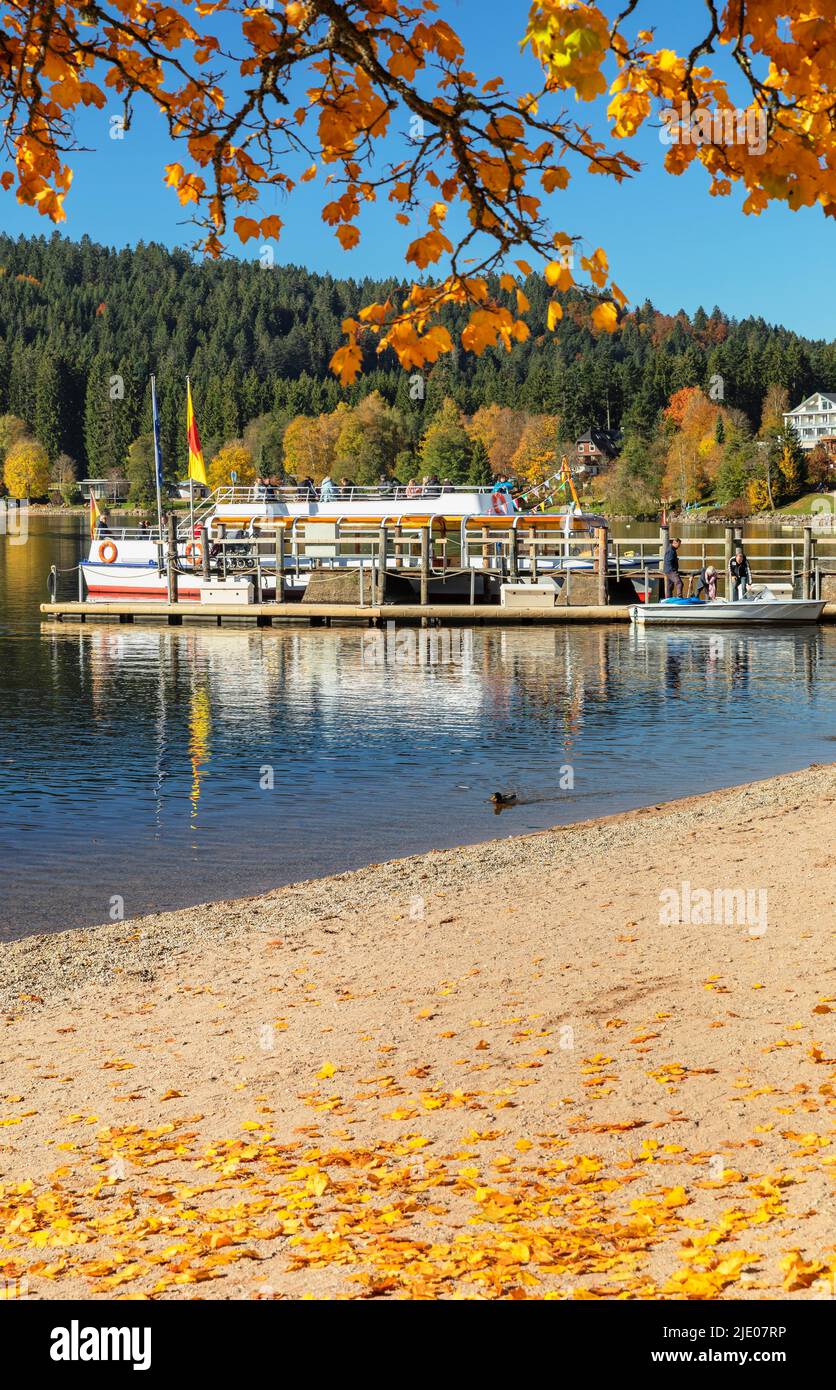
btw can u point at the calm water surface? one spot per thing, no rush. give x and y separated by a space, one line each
171 766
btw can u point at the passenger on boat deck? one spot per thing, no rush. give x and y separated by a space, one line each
740 573
308 490
264 490
103 528
345 486
412 488
707 583
326 490
384 487
431 486
670 565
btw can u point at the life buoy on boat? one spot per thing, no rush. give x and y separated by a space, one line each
194 553
108 552
500 504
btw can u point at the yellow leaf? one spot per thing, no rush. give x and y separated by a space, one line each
605 318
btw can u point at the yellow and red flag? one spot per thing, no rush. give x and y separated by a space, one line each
95 514
197 468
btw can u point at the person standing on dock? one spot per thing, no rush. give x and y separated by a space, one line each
740 574
670 566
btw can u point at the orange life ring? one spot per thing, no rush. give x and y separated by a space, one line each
108 552
194 553
500 504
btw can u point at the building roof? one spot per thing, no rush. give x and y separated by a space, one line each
825 395
603 441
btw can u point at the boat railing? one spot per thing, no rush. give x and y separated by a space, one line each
300 492
127 533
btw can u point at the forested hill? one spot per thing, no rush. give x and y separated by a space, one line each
74 315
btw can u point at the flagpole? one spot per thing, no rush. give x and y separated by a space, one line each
191 479
157 462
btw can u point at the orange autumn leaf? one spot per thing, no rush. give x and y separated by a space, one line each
246 227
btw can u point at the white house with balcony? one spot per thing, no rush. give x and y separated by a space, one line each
814 419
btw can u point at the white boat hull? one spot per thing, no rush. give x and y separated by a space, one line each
722 611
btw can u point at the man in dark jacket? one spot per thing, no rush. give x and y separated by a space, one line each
740 573
670 565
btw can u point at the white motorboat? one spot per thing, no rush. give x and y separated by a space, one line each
762 607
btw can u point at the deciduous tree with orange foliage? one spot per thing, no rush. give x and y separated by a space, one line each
260 100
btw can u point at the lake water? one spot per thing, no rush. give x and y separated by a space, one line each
166 766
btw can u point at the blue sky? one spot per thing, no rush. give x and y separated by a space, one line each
666 238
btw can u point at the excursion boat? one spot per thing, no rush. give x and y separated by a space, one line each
762 607
131 562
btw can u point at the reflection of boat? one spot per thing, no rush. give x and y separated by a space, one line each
762 608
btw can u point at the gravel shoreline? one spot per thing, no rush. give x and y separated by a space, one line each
58 965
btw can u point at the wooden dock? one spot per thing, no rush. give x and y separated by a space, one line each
324 614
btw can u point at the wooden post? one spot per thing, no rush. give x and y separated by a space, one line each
807 564
172 558
513 567
664 538
472 587
204 552
381 564
601 565
425 566
279 564
222 540
728 551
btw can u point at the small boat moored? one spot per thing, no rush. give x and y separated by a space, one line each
763 607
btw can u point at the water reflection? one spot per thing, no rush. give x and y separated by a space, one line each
177 765
138 768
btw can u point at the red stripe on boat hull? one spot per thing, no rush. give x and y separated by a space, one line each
114 591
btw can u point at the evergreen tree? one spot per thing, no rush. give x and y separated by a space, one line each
140 470
480 473
49 405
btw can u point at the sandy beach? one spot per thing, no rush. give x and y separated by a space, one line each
508 1070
